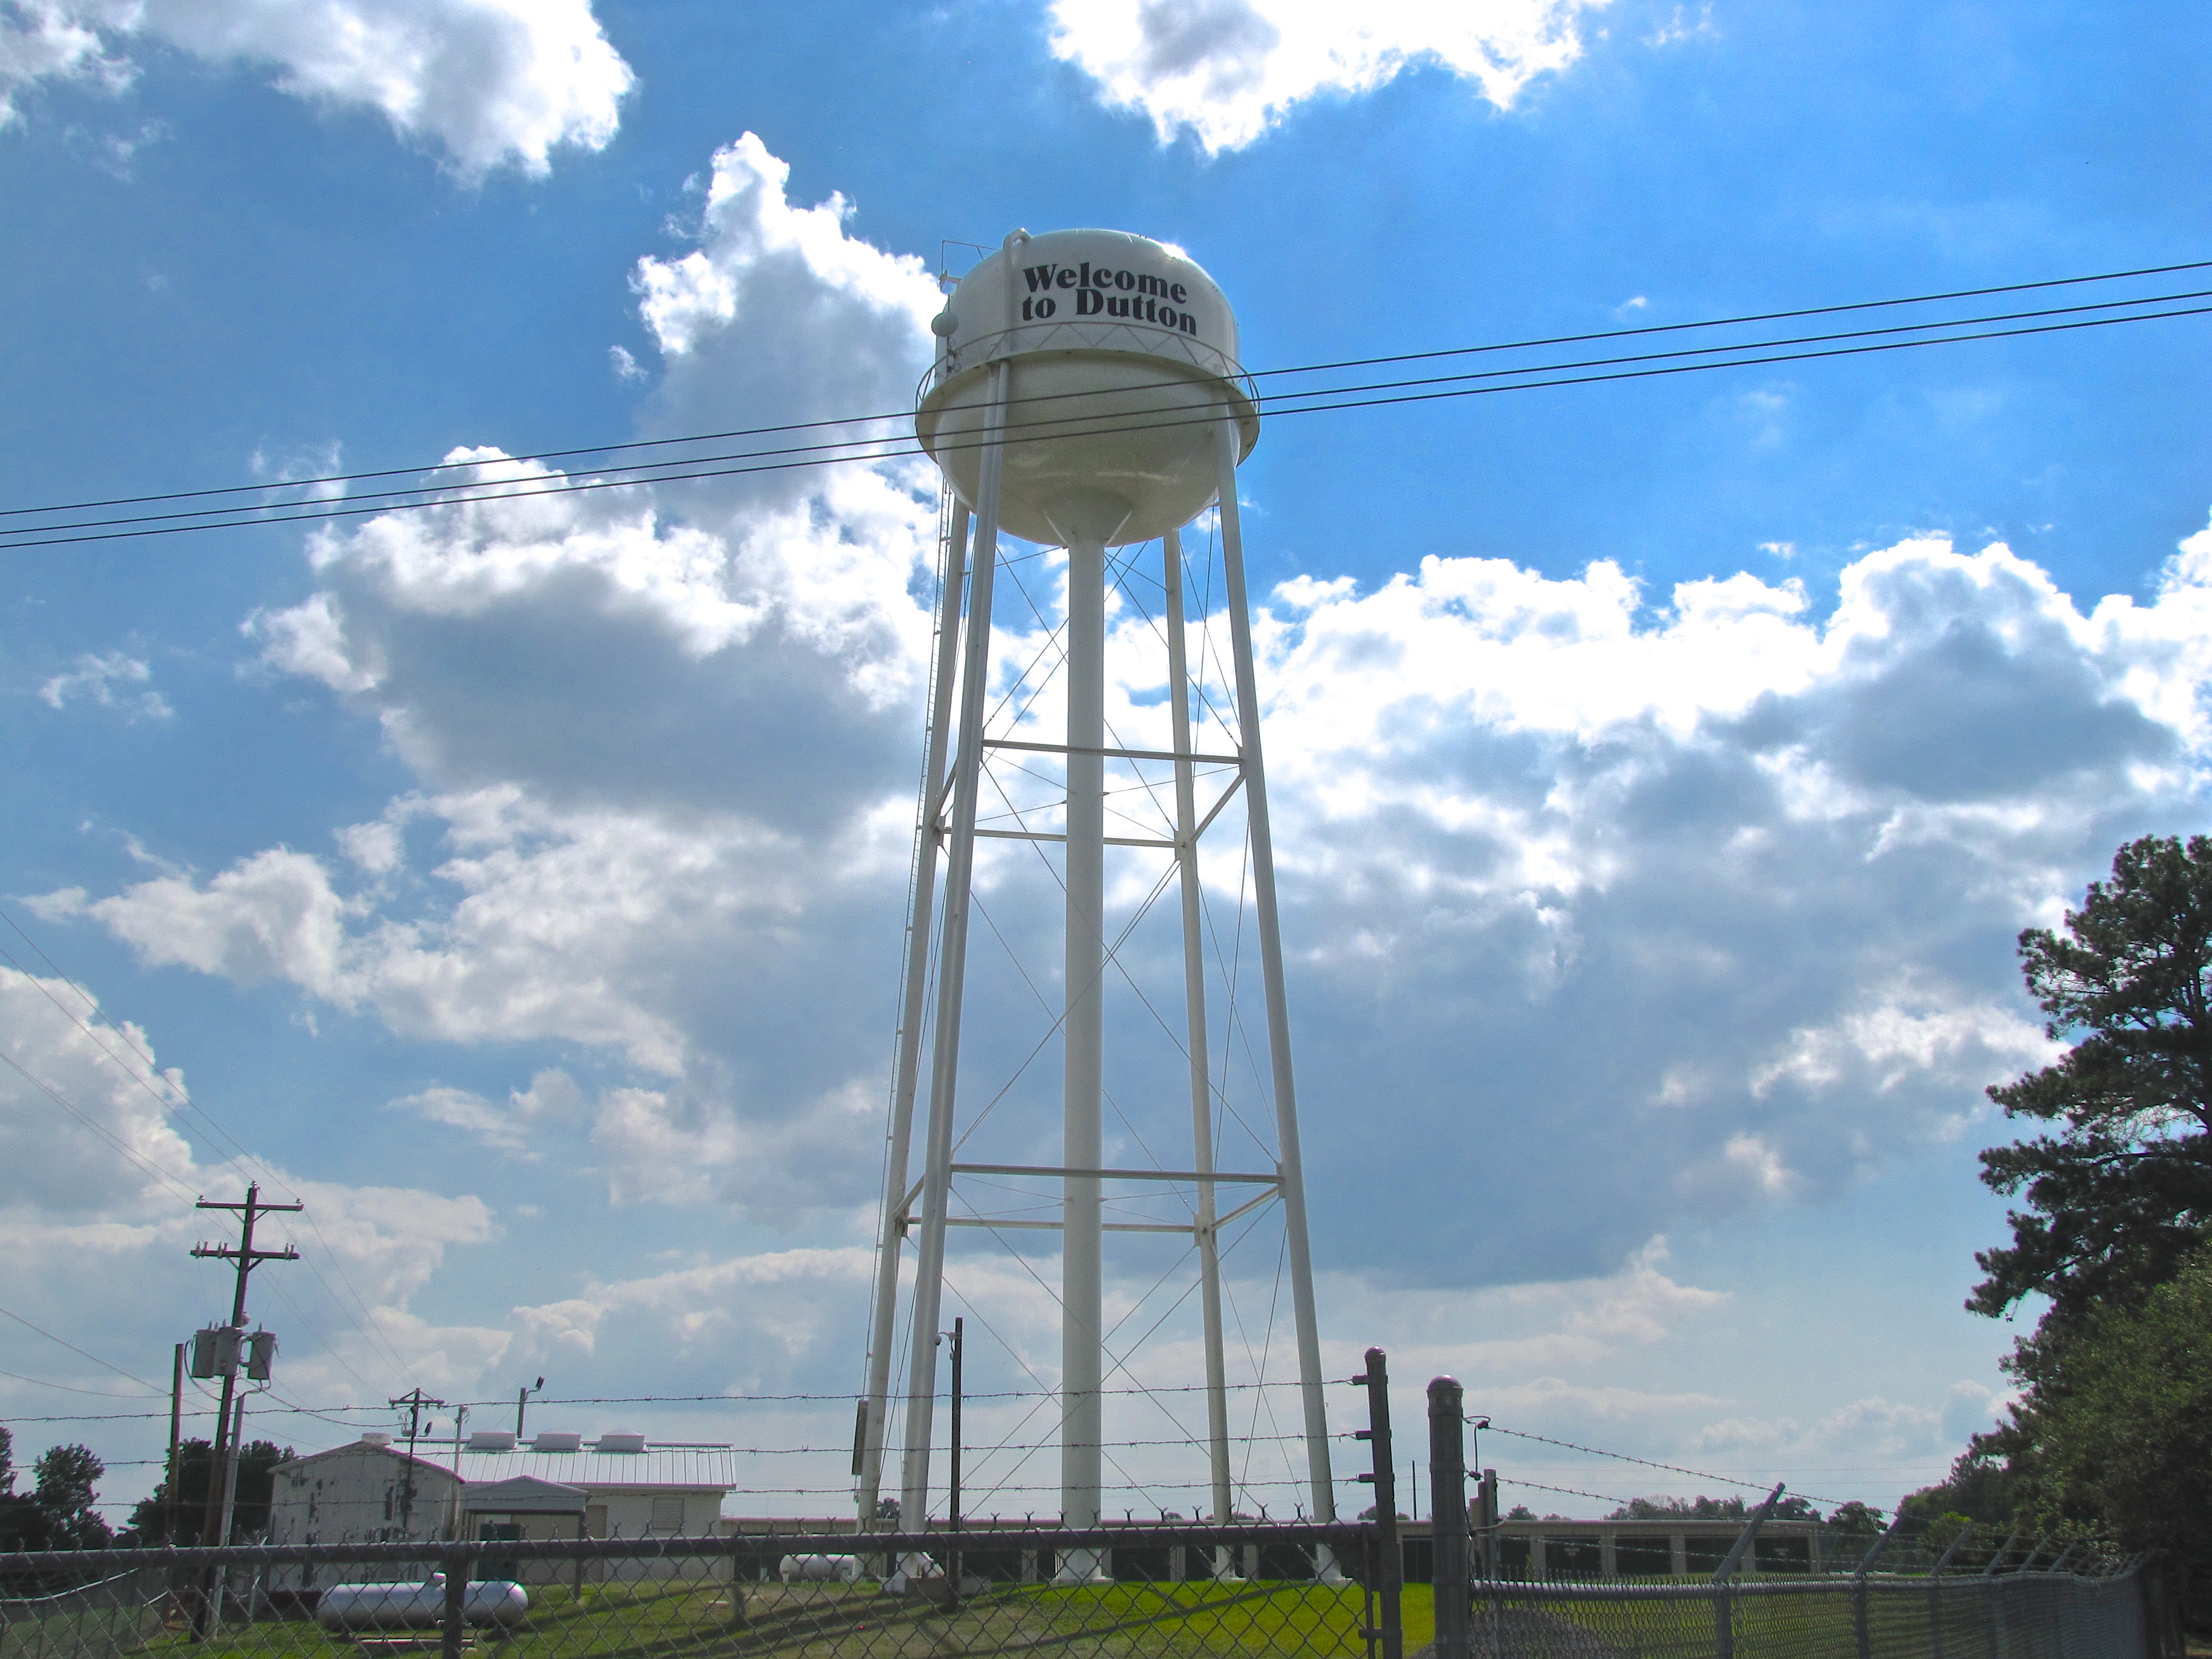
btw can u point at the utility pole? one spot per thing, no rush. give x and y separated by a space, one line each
176 1427
245 1257
413 1401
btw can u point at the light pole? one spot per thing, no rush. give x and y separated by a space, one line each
521 1402
953 1475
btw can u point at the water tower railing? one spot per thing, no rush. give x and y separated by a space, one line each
986 348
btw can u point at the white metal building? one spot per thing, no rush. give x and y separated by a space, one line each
369 1492
643 1494
373 1491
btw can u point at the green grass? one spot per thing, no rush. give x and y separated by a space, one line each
676 1619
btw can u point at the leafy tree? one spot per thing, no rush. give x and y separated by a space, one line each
1977 1491
58 1513
2117 1434
2121 1189
68 1488
1708 1508
257 1486
1686 1508
2114 1427
1855 1520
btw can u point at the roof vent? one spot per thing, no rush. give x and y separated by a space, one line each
621 1441
491 1440
556 1440
375 1438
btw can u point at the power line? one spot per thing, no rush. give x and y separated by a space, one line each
174 1098
873 449
67 1388
1318 401
1642 331
844 1400
86 1119
81 1354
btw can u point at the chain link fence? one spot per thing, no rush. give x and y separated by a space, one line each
1238 1590
1298 1591
2028 1615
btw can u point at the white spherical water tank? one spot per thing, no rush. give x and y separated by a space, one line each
1121 357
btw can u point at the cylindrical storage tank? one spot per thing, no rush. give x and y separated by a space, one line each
819 1569
418 1607
1121 358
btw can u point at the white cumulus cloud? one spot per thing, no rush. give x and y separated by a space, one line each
488 83
1225 70
99 1172
108 680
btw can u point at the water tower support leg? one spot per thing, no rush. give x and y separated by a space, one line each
1292 1168
1082 1284
951 972
906 1068
1202 1091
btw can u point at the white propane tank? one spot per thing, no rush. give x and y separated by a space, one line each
819 1569
418 1607
1121 358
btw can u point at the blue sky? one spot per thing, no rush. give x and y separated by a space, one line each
1662 768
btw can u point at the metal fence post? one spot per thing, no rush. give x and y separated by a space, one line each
1723 1602
738 1578
1860 1627
460 1562
1935 1593
1388 1582
1448 1535
1999 1596
1487 1521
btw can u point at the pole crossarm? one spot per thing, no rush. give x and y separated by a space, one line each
249 1257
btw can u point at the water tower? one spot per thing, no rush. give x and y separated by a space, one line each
1087 396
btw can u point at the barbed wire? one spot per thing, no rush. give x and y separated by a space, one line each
1649 1463
1569 1491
